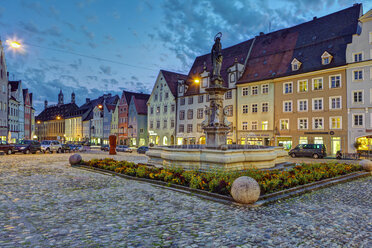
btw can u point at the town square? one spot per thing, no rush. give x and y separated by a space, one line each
186 123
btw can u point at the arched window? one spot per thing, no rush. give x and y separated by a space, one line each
232 77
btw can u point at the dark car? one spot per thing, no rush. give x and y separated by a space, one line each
66 148
105 148
6 147
27 146
308 150
142 149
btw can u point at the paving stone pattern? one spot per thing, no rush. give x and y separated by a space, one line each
46 203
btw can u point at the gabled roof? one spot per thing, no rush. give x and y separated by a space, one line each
51 113
172 80
273 53
14 85
141 104
128 96
230 55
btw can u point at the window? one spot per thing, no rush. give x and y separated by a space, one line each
190 114
358 120
158 109
200 98
165 123
180 90
302 123
245 91
152 110
182 114
254 108
317 103
165 108
181 128
173 107
161 96
191 100
254 90
335 102
357 75
200 113
172 123
265 89
228 94
295 64
254 125
335 122
284 124
199 128
302 105
358 57
156 97
303 141
265 107
182 101
245 125
151 124
207 100
157 124
335 82
326 58
229 110
318 123
287 89
232 77
189 128
318 140
317 83
205 82
265 125
358 96
166 95
302 85
245 109
287 106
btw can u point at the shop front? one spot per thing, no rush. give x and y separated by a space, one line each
257 138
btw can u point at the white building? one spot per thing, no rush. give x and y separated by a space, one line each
161 108
3 96
359 86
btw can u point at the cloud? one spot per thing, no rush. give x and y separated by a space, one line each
111 81
86 32
70 25
109 38
31 27
116 15
92 44
32 5
92 18
134 78
76 64
105 69
84 3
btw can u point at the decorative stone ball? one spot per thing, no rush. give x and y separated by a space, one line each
245 190
224 147
75 159
366 164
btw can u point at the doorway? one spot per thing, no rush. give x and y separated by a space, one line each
335 145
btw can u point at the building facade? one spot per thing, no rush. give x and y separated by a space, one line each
28 114
137 121
161 108
3 96
359 89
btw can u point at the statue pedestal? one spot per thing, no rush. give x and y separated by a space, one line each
216 136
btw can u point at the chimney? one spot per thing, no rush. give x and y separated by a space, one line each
45 104
87 100
314 18
73 97
262 33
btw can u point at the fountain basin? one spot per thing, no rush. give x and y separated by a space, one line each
211 159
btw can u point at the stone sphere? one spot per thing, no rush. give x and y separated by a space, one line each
75 159
366 164
245 190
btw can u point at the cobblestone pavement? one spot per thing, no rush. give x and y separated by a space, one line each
46 203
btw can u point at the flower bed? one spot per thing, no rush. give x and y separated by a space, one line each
220 182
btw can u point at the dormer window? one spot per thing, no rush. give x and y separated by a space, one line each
326 58
181 89
295 64
205 82
232 77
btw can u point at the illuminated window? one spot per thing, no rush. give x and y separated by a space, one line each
284 124
317 83
302 86
335 122
265 125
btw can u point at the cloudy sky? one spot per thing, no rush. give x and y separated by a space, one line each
100 46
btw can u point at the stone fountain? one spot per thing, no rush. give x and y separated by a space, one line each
216 154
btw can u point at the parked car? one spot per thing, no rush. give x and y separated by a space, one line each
122 148
142 149
27 146
6 147
66 148
308 150
51 146
105 148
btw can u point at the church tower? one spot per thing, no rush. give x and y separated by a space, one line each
60 98
73 97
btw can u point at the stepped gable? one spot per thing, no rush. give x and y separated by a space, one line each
229 54
172 80
51 112
273 53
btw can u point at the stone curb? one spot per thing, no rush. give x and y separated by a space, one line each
263 200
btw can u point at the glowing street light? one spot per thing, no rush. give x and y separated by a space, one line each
15 44
58 117
196 80
100 106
